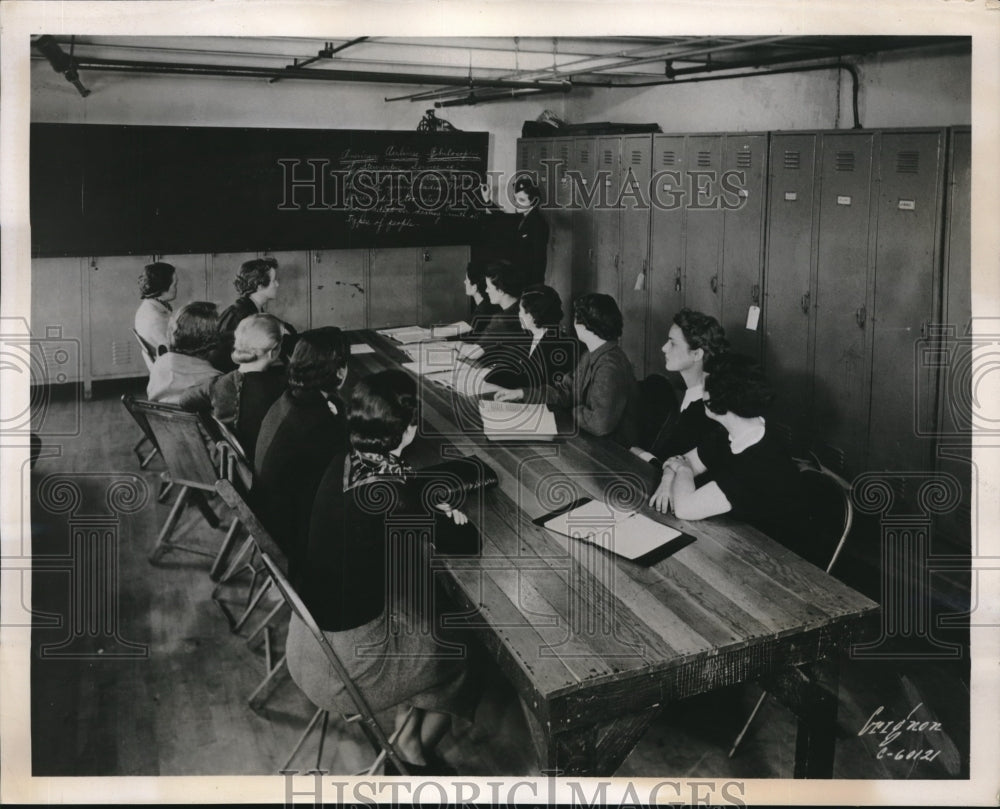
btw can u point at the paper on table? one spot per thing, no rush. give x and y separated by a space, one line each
507 421
433 357
626 533
450 330
361 348
407 334
466 379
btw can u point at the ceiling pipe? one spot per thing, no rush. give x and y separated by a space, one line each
326 53
362 76
476 98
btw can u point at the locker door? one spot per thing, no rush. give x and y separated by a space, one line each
954 386
788 285
606 216
442 294
56 322
338 288
543 152
583 198
292 303
906 277
393 288
634 263
113 295
743 241
222 271
525 153
841 383
192 276
703 225
559 269
664 281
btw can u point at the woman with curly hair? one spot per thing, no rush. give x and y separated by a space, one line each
743 468
369 530
299 435
240 399
193 336
157 288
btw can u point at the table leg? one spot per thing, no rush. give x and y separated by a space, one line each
811 693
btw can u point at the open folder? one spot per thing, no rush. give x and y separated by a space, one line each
517 421
625 533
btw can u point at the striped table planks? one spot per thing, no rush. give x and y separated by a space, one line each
596 644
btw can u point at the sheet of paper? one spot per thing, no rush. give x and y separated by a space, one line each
627 534
362 348
517 421
450 330
407 334
433 357
466 379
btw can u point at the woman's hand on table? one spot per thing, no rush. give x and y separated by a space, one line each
470 351
661 497
457 517
509 395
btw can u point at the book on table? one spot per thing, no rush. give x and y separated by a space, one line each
406 334
517 421
450 330
629 534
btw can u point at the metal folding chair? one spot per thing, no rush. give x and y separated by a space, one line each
830 495
149 357
382 744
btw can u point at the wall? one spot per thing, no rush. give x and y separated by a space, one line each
906 88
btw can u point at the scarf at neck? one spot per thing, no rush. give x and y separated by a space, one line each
368 465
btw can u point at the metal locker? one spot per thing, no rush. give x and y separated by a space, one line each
292 304
56 323
636 152
583 170
543 153
393 288
703 227
906 279
788 285
742 196
113 296
559 268
442 294
222 271
606 218
339 288
841 384
665 277
192 276
525 154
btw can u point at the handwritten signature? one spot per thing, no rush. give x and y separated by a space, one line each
892 730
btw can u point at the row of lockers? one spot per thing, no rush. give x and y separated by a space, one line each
820 252
84 307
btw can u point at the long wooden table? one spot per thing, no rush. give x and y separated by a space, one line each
596 644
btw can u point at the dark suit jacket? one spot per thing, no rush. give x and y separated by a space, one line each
503 329
554 357
242 308
531 240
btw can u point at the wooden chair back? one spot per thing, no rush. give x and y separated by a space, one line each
181 437
829 497
148 350
246 515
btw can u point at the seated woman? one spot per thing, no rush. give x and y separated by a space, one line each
743 469
483 308
503 284
301 432
257 284
241 398
601 393
157 288
365 522
693 340
544 355
193 337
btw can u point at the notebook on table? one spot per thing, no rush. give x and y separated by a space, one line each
517 421
629 534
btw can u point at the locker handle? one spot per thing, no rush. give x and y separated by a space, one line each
590 254
677 281
714 284
805 303
859 316
755 294
616 260
427 255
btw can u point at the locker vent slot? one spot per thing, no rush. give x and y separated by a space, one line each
585 158
636 157
792 160
844 161
121 352
704 159
607 157
543 153
908 162
669 159
564 153
743 160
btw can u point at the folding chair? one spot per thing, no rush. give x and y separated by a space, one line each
384 746
830 500
258 542
148 350
181 437
140 419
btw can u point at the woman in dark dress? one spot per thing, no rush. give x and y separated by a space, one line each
366 531
483 308
242 398
742 470
301 432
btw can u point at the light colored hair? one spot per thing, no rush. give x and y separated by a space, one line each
255 336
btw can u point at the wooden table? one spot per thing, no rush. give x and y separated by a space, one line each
596 644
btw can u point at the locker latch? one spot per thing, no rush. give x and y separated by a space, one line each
755 293
714 284
677 281
859 316
805 303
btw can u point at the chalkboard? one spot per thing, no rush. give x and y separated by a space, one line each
116 190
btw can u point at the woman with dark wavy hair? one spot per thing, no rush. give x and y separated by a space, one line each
368 526
193 336
299 435
158 289
742 468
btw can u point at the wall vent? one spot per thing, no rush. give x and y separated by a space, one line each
844 161
704 159
743 160
907 162
793 160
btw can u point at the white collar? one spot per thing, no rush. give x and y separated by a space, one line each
692 395
751 437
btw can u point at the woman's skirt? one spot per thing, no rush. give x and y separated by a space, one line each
393 660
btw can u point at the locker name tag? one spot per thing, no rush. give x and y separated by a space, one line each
791 196
753 317
907 205
843 200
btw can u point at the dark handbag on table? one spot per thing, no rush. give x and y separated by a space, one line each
454 483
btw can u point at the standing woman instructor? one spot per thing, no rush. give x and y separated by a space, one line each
526 244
